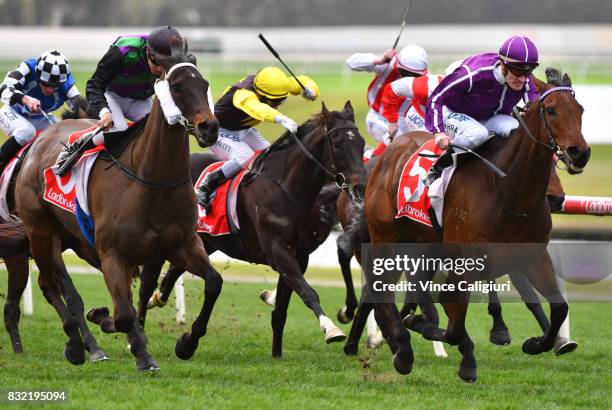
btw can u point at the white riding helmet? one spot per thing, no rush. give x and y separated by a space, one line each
413 58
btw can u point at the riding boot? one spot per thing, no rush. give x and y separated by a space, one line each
205 192
8 150
69 154
435 172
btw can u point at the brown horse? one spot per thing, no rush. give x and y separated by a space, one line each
515 212
280 225
138 210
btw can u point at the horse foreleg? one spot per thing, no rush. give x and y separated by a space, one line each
75 304
347 313
148 282
279 316
118 274
543 278
284 261
194 259
18 273
499 334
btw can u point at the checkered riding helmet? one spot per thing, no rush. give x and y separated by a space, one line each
52 68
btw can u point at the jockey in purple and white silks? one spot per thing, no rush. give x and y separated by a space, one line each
475 101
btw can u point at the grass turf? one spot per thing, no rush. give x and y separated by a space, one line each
233 367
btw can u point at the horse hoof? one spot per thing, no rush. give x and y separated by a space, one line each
75 355
17 347
99 356
500 337
351 349
375 341
344 317
333 335
402 362
532 346
265 297
146 364
185 349
433 333
468 374
564 345
439 350
96 315
156 301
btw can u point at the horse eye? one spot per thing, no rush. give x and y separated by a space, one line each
175 88
550 111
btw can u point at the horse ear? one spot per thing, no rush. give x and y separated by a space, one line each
567 80
348 111
326 114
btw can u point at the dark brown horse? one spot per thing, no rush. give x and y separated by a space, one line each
138 207
515 212
279 224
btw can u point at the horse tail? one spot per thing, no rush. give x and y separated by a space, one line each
13 239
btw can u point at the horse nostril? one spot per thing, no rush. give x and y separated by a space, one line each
573 152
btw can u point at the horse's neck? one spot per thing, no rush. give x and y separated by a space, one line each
304 179
161 153
528 166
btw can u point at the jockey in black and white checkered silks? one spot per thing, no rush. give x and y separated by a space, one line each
30 93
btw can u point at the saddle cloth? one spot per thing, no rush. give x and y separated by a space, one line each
5 179
216 223
69 191
413 198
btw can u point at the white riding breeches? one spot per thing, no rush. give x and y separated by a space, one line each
376 125
123 108
467 132
237 148
414 121
22 127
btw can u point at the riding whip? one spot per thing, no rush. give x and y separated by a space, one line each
403 24
275 54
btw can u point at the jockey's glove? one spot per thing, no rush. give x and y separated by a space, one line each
309 93
286 122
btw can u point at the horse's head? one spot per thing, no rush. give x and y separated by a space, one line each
345 152
191 94
561 120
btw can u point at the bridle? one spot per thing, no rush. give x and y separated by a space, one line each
342 182
552 145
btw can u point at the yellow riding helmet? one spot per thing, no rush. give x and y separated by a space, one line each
271 82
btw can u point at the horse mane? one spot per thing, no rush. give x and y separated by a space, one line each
317 121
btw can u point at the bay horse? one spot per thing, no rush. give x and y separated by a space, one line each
280 225
138 208
515 212
14 247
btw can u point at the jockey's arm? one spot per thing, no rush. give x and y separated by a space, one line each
369 61
393 95
11 89
453 85
248 102
311 91
108 68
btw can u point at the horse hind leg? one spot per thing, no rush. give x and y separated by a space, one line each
76 307
43 248
18 273
148 282
347 313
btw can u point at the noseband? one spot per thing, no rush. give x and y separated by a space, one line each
339 178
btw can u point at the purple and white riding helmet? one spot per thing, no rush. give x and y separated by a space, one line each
519 52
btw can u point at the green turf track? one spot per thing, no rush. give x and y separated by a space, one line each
233 367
